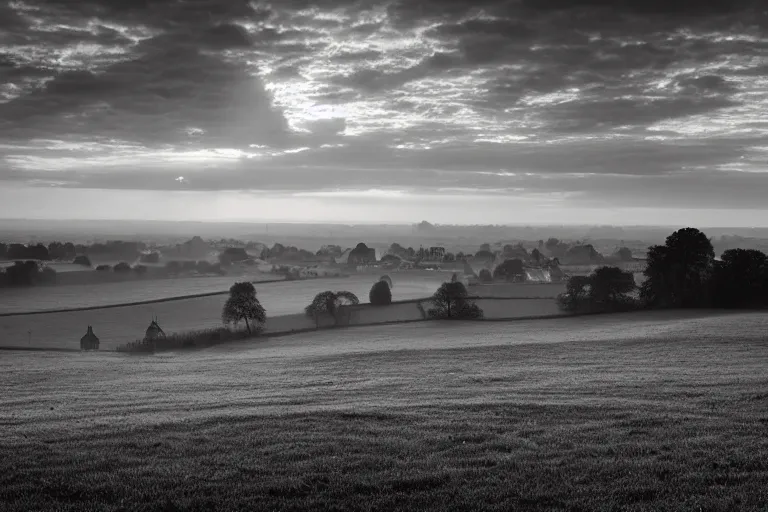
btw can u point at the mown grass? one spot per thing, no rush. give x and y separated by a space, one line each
497 457
673 421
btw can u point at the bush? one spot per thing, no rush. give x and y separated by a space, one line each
485 276
140 269
103 268
605 290
122 268
328 303
82 260
186 340
153 257
451 302
740 279
380 294
511 270
28 273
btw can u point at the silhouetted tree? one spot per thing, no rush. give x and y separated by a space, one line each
329 302
28 252
485 276
576 294
82 260
122 268
451 301
677 273
510 270
609 285
740 279
582 254
28 273
242 304
380 294
484 255
153 257
449 257
604 290
61 251
624 254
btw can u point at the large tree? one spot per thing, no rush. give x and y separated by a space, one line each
380 294
451 301
329 302
242 304
605 289
677 272
740 279
609 285
511 270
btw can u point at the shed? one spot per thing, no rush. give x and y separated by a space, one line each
90 341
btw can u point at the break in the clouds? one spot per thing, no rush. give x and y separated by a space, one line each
598 103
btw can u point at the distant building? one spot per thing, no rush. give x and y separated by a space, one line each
436 253
361 255
90 341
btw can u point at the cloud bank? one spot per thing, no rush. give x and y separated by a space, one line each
597 103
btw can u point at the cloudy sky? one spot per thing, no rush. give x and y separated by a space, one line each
455 111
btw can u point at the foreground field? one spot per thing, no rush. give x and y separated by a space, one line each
653 411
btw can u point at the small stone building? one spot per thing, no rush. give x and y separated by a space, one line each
154 332
90 341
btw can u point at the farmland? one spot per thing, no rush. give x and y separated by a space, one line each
20 300
279 298
124 324
641 411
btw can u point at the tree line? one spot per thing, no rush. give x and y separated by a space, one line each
682 273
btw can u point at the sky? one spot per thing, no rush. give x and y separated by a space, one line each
453 111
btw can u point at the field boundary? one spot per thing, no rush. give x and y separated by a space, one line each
45 349
213 294
135 303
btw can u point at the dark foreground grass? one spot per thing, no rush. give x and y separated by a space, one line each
499 457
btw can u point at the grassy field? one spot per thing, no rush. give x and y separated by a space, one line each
279 298
643 411
22 300
124 324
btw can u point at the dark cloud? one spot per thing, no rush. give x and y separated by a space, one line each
226 35
416 90
153 99
165 14
602 115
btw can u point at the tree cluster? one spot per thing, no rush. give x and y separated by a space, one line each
27 273
330 303
683 273
607 289
451 302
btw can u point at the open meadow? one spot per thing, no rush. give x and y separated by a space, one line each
74 296
119 325
638 411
